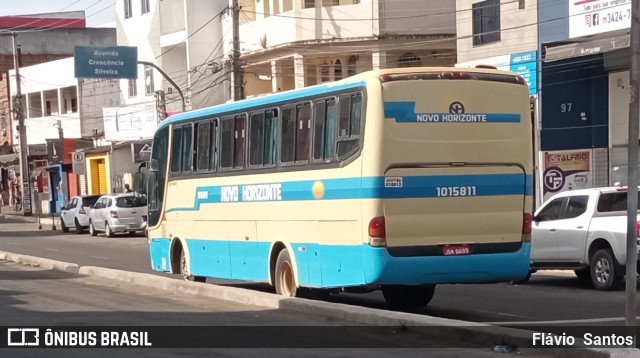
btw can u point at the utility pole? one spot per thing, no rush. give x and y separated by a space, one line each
238 80
632 193
19 116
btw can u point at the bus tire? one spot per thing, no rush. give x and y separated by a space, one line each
405 296
184 271
285 280
604 272
522 281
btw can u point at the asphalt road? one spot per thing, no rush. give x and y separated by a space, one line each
46 298
549 299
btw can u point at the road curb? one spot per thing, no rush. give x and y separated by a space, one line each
40 262
165 283
446 328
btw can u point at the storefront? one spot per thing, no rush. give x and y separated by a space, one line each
584 95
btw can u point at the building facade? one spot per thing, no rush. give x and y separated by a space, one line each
287 44
62 114
585 91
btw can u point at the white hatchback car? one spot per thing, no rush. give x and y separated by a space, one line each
117 213
76 213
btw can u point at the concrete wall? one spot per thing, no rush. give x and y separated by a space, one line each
417 17
142 31
554 20
518 30
35 79
96 94
204 46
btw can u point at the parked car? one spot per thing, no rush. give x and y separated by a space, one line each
118 213
76 213
585 231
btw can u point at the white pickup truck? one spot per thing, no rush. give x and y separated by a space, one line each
585 231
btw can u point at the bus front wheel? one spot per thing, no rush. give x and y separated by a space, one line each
285 281
403 296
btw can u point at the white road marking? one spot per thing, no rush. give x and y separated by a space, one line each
100 257
502 314
12 243
566 321
54 250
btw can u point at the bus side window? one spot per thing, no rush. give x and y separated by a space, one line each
349 125
270 131
288 140
256 138
187 148
303 129
176 146
324 130
262 138
226 142
215 145
240 123
203 145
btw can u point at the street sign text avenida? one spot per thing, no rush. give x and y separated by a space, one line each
106 62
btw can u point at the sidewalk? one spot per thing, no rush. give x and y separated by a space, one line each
7 214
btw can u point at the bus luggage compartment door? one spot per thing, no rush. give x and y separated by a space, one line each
472 208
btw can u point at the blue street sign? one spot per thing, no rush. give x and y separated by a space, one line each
106 62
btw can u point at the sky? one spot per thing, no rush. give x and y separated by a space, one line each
97 12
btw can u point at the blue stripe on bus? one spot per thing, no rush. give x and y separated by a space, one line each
343 265
405 112
268 100
374 187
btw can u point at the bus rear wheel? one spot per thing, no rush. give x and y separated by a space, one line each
404 296
285 281
184 270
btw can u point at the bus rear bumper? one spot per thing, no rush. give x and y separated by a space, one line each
382 268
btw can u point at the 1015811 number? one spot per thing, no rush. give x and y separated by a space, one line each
448 191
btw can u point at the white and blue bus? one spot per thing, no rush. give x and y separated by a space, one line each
395 179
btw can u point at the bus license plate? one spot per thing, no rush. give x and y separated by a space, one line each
456 250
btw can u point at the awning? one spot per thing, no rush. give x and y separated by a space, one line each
9 159
586 48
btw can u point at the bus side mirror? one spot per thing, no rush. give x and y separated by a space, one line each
153 165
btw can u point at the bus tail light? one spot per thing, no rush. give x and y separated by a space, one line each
144 218
377 232
527 218
114 214
455 75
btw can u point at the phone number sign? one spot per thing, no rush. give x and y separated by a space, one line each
589 17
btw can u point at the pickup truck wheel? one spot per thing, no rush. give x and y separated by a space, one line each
603 271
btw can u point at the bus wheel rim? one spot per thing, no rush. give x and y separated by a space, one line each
286 279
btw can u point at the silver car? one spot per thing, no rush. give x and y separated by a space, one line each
117 213
76 213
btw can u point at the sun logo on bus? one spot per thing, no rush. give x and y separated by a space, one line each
318 190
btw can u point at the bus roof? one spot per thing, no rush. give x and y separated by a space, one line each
355 81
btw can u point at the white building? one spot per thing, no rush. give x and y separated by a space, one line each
54 98
183 38
287 44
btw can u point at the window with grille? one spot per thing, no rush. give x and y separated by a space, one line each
486 22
